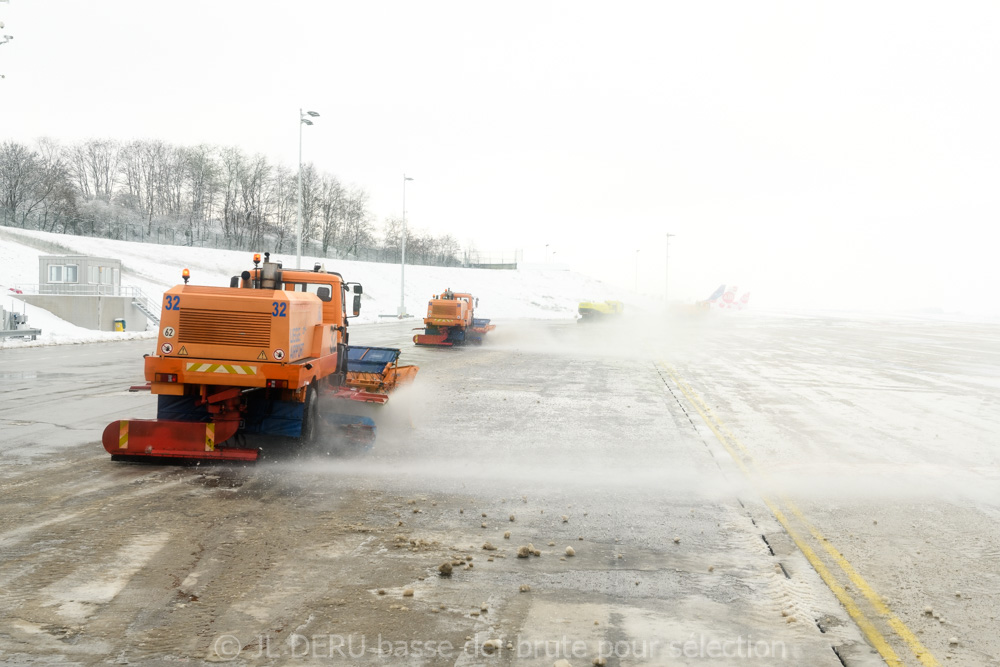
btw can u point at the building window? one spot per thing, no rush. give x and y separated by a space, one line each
63 273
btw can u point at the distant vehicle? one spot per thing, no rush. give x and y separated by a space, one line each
712 300
591 311
725 299
451 321
722 299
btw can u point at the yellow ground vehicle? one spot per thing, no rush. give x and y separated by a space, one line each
254 359
451 321
590 311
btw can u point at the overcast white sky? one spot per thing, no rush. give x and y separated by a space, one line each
832 154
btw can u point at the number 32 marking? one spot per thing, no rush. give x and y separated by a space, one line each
279 309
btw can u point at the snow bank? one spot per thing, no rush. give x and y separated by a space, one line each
535 293
57 331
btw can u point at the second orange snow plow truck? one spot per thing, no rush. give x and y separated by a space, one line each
451 321
247 363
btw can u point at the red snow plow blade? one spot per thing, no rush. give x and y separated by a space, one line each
432 339
155 438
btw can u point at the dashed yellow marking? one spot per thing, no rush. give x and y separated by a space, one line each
122 435
741 456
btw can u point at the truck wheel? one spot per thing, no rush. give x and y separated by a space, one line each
310 416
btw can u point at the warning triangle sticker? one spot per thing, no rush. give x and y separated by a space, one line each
262 356
183 352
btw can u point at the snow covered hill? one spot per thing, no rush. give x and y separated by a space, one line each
535 293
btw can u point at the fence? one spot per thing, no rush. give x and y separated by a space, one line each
80 290
475 259
204 236
150 307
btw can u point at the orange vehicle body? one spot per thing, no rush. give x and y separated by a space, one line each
451 321
252 359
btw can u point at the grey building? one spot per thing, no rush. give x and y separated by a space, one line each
87 291
79 274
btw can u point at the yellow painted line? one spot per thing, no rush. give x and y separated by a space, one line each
730 442
876 638
901 629
923 655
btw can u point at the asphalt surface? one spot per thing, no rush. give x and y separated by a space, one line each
650 456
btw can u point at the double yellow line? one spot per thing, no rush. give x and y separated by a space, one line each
744 460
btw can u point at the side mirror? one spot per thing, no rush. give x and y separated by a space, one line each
358 290
477 302
357 304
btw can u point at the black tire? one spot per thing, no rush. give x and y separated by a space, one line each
310 416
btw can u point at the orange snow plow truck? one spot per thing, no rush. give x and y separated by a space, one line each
451 321
263 361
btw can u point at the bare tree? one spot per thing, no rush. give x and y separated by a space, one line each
143 165
171 176
200 175
245 186
284 203
449 248
18 166
357 230
30 178
310 200
232 163
332 210
51 197
392 234
94 168
253 188
101 186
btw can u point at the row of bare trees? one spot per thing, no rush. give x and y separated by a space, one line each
98 186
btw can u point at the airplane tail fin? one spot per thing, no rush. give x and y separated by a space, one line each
716 294
725 298
729 298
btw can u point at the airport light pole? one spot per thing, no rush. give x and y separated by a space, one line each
666 270
303 120
402 257
5 38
